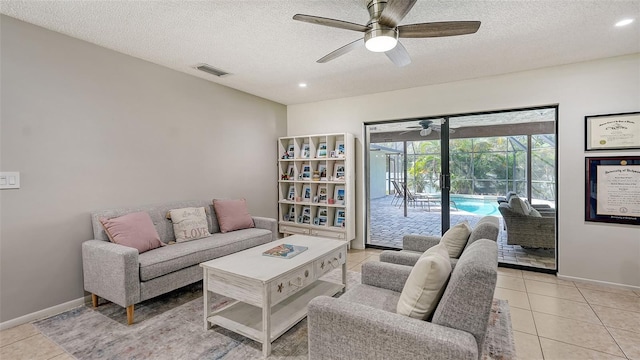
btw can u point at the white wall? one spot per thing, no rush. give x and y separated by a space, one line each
602 252
90 129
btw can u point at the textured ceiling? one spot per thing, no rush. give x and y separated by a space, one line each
268 53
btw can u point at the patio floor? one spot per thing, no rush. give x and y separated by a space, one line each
388 226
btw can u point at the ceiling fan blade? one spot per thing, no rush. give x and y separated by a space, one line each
438 29
395 11
399 55
341 51
330 22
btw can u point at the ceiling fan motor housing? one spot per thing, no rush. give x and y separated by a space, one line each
379 30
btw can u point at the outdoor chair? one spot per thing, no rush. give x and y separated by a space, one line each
527 226
399 193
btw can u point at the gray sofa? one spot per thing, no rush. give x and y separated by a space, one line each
121 275
363 324
413 246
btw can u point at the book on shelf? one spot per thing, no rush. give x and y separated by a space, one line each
285 251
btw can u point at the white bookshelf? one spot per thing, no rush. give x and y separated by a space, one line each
302 208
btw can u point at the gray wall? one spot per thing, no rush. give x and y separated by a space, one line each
89 128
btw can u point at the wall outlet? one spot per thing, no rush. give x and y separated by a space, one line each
9 180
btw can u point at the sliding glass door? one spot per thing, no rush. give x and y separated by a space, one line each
425 175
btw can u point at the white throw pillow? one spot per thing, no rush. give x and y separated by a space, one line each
189 224
456 238
425 285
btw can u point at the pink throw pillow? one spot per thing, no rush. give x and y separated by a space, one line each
232 215
133 230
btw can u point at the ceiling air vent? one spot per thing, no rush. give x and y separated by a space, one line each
211 70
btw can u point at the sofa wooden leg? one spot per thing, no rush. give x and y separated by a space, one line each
94 300
130 314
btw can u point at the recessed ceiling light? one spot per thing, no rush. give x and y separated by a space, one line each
624 22
302 85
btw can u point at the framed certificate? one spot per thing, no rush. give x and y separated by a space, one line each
613 189
612 131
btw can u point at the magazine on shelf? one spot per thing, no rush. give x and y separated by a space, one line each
339 194
291 172
322 150
322 194
285 251
291 150
322 169
305 151
340 148
292 213
338 172
306 172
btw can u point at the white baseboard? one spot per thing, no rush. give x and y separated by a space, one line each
598 282
44 313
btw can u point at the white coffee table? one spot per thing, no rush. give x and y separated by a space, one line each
271 293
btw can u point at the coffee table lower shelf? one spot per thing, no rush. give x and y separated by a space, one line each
246 319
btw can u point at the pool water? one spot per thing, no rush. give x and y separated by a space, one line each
476 205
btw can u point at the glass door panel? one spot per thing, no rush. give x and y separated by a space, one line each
424 175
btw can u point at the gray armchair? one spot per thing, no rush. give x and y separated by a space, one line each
363 324
526 228
415 245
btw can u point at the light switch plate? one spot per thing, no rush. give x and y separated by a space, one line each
9 180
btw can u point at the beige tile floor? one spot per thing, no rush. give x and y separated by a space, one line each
551 318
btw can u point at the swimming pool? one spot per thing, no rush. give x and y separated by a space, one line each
476 205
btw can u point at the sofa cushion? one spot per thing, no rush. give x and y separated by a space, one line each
189 223
232 214
456 238
181 255
373 296
133 230
425 284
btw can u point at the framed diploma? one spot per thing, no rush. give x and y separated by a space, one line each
613 189
613 131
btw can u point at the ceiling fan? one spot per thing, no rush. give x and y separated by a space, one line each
382 31
426 127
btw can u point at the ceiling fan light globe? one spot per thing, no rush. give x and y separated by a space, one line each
381 43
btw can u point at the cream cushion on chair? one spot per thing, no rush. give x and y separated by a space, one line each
456 238
425 284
